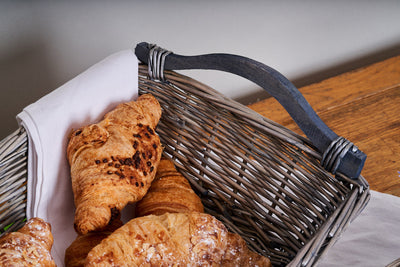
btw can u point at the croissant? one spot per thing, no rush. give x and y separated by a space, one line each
76 253
169 192
114 162
29 246
174 239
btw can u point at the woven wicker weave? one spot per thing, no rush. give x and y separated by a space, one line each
260 179
13 175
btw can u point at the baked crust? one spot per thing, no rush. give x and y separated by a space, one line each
174 239
114 162
29 246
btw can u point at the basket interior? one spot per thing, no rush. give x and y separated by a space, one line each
262 180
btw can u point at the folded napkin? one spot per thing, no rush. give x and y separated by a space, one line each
81 101
372 239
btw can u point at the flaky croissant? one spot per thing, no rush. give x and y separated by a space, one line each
174 239
169 192
76 253
29 246
114 162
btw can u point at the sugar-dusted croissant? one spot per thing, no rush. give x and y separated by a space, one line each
169 192
174 239
76 253
114 162
29 246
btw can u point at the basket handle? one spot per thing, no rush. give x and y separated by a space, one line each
338 154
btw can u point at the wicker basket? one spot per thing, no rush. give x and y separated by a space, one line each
260 179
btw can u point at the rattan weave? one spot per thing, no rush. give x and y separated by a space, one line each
13 175
260 179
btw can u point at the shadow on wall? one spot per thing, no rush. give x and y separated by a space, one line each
26 76
323 74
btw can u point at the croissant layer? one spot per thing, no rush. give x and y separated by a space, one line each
174 239
114 162
30 246
76 253
169 192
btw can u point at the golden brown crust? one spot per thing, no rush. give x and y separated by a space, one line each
76 253
114 162
169 192
173 239
29 246
237 246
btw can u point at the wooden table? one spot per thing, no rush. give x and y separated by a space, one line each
363 106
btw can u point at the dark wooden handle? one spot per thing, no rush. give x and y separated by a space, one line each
276 85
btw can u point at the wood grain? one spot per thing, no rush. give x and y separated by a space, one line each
363 106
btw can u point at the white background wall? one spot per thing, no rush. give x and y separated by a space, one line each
43 44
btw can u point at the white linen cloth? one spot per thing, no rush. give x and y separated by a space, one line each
49 121
372 239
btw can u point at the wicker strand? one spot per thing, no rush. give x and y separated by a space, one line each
13 177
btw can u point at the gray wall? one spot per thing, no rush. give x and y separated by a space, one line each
43 44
